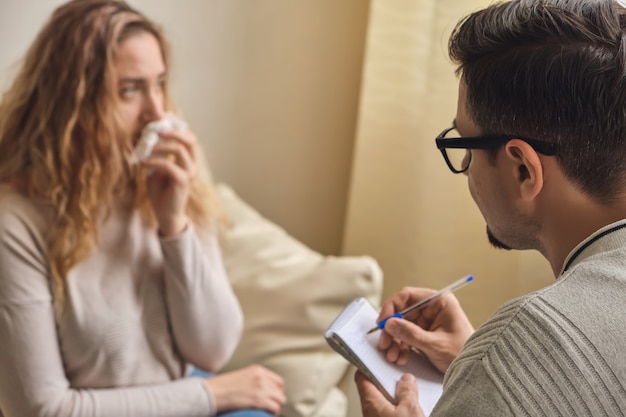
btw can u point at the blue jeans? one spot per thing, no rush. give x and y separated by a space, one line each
244 412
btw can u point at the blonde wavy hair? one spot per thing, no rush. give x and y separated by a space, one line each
62 139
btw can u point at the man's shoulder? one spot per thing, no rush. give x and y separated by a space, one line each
549 344
551 318
495 328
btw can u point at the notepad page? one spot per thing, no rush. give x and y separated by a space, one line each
351 327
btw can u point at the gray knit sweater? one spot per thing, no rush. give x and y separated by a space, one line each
560 351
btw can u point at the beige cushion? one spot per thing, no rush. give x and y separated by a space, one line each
289 295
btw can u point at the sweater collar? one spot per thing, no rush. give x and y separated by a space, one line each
608 237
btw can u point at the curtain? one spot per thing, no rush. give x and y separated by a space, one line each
405 207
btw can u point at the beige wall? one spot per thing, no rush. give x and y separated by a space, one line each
271 87
406 208
19 22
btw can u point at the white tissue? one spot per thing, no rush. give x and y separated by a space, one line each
150 135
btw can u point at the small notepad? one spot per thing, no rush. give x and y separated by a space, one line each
347 334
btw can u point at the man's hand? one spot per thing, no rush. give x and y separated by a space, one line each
439 330
374 403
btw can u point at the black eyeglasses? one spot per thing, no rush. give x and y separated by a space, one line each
457 151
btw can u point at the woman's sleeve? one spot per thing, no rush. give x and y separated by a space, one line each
32 377
206 317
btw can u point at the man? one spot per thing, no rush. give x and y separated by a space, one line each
541 120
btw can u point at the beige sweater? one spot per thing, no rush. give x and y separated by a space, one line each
140 311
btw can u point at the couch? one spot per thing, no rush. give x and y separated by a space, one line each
289 295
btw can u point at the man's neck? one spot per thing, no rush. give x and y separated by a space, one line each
569 219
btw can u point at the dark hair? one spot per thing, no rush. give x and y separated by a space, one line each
553 70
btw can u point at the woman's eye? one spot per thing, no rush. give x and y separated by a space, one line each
128 91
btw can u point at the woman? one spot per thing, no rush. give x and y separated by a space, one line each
111 280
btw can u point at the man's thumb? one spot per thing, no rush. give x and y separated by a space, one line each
406 389
406 394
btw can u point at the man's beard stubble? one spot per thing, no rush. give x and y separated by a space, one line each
495 242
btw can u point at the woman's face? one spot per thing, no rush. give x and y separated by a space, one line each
141 76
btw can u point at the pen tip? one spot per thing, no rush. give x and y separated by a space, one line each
372 330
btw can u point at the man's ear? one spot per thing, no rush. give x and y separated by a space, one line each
527 166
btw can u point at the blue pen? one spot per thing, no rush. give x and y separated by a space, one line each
452 287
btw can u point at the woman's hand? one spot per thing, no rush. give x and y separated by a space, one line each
172 167
251 387
439 330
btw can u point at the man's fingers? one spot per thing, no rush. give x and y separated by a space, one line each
363 384
408 333
367 389
373 402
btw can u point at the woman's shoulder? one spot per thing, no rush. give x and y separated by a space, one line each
19 212
24 231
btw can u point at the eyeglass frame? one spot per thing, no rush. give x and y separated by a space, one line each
485 142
